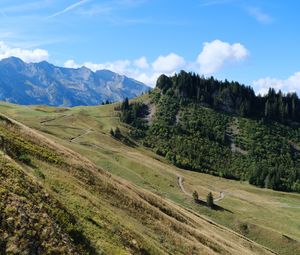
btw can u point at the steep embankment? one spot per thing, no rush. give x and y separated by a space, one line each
82 208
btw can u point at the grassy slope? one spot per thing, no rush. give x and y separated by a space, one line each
260 214
99 203
27 218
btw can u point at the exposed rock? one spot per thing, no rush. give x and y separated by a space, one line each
44 83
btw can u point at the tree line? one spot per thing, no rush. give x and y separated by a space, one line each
194 137
231 97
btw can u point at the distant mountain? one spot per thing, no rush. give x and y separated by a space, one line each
44 83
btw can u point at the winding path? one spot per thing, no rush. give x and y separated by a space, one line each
59 117
180 183
72 140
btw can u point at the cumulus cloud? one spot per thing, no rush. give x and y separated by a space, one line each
71 64
141 63
35 55
212 58
169 63
291 84
216 54
119 66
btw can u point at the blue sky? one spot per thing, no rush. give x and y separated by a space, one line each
255 42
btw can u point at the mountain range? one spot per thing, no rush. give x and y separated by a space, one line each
46 84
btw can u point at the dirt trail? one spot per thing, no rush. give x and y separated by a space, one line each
180 183
222 195
72 140
59 117
88 131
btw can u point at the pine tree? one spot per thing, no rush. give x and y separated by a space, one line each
210 200
112 133
196 196
125 104
118 133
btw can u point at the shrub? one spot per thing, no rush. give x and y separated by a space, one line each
25 159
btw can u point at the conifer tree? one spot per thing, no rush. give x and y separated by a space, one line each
196 196
210 200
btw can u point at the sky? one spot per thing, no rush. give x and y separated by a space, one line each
255 42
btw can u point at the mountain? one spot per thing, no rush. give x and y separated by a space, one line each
221 128
46 84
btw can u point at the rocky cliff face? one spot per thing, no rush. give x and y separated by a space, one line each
44 83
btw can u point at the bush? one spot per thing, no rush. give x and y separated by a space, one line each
24 158
39 173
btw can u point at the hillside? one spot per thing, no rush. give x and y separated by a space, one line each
265 216
213 132
54 200
43 83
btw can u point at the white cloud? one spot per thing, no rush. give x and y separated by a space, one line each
213 57
260 16
35 55
216 54
149 79
141 63
71 64
168 64
291 84
119 66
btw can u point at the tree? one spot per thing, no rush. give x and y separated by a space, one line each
112 133
210 200
118 133
164 83
196 196
125 104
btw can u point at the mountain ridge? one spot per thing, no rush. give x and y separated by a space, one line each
47 84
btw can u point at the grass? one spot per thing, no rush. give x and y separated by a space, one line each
262 215
29 217
91 206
